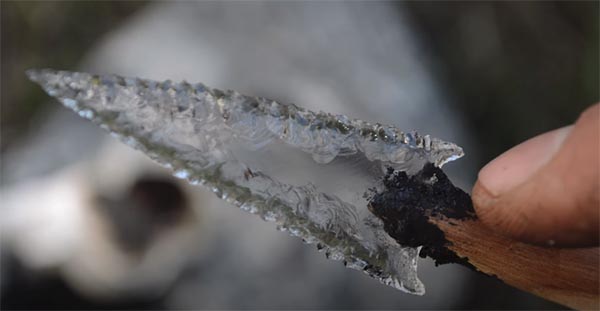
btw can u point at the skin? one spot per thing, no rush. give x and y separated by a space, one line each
546 190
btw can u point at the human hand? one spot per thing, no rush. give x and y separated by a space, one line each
546 190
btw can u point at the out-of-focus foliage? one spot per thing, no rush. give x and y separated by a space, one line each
515 69
46 34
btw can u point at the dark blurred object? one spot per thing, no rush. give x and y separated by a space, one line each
514 69
32 291
139 235
46 34
152 204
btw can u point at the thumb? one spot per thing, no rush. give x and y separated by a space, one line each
545 190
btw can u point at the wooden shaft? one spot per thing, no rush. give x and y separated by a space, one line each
566 276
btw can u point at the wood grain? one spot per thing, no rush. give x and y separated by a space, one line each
566 276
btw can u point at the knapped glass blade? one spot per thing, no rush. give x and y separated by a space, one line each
308 172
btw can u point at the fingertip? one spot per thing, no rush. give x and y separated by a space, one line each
591 114
546 190
498 214
483 200
504 197
515 166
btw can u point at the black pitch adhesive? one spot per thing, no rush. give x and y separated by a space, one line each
407 202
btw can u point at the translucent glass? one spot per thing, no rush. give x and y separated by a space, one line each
308 172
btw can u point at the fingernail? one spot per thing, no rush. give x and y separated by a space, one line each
516 165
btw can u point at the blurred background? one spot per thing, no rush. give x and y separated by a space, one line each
89 224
